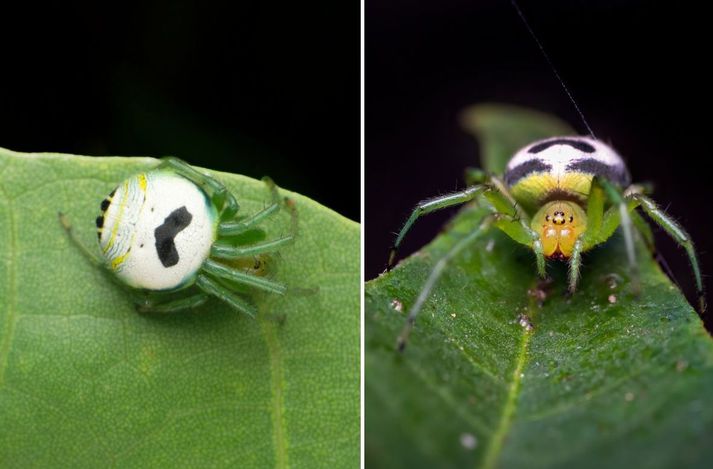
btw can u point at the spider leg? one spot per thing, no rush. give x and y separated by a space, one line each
220 195
513 220
216 269
432 205
272 187
213 288
591 235
235 227
90 255
221 250
226 250
435 275
644 229
286 202
679 235
93 258
150 305
614 194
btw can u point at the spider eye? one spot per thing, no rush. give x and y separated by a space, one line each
571 218
547 218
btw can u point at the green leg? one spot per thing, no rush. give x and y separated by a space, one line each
508 204
595 210
94 259
515 222
435 275
231 228
235 227
216 269
600 226
149 305
221 196
615 196
213 288
610 222
680 236
429 206
286 202
575 263
644 229
294 222
648 236
521 232
590 237
221 250
272 187
91 256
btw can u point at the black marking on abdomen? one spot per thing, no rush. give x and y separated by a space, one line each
561 194
99 221
578 144
165 234
525 169
614 173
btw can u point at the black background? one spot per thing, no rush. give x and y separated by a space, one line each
256 88
639 71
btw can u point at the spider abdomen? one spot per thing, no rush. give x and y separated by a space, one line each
562 168
156 229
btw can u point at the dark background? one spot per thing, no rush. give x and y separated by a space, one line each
256 88
637 69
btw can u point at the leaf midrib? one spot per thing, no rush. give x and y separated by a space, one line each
495 446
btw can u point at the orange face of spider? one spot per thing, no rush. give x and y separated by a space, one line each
559 225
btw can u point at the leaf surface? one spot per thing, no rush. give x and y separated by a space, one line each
86 381
491 378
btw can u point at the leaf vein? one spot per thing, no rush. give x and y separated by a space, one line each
277 379
496 443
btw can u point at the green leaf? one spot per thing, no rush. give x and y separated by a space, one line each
602 379
85 381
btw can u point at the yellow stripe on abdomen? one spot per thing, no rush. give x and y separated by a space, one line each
117 220
532 190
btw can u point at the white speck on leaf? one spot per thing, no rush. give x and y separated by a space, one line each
397 305
468 441
525 322
491 244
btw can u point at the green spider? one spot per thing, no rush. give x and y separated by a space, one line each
172 237
560 197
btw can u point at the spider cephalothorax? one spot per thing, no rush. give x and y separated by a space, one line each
559 224
172 236
560 197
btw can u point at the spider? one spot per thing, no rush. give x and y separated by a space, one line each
171 236
561 197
